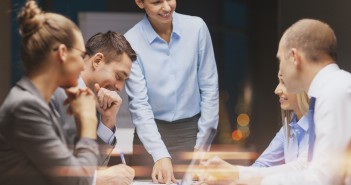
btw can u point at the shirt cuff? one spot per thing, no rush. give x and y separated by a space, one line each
105 133
159 154
94 178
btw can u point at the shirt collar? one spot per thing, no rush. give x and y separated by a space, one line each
151 34
302 123
176 24
81 83
320 78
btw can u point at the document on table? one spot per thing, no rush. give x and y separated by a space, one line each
147 183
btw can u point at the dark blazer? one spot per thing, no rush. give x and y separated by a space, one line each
33 146
69 125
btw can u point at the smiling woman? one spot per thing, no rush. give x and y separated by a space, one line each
286 152
291 104
173 87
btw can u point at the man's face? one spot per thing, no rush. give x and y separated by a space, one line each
287 68
113 75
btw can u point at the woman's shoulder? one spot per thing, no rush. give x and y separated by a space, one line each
21 100
189 19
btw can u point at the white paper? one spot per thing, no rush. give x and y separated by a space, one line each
147 183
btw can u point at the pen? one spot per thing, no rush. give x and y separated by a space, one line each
123 159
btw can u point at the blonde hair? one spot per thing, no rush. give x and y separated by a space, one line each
302 103
39 32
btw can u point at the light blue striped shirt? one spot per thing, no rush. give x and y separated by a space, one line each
283 149
171 81
103 131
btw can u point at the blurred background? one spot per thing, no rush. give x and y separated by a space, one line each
245 35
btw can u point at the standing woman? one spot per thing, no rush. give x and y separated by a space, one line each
173 86
287 151
32 143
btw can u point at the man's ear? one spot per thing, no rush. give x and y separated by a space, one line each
296 57
98 59
140 3
62 52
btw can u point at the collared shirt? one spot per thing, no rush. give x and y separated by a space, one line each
287 153
332 116
103 131
171 81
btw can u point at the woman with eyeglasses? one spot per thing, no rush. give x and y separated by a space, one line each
33 146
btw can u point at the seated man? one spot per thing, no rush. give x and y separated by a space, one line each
107 64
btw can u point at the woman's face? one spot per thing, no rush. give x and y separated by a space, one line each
74 62
158 11
287 101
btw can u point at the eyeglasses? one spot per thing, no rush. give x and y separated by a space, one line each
83 54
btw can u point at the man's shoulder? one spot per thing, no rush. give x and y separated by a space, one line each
58 96
337 85
340 78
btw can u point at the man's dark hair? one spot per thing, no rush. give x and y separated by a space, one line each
111 44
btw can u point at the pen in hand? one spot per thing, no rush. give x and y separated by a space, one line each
122 158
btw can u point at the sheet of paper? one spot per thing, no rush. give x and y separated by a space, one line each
146 183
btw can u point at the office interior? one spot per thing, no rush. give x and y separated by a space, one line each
245 35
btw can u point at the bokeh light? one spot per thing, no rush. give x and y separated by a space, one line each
237 135
245 131
243 120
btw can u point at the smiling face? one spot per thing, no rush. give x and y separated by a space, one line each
111 75
158 11
287 101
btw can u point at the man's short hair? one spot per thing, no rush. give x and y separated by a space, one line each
314 37
111 44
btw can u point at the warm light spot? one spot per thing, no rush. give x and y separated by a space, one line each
245 131
243 120
237 135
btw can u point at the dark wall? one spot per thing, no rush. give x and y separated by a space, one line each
263 72
336 13
5 48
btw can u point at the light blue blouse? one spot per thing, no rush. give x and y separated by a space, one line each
280 151
171 81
